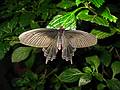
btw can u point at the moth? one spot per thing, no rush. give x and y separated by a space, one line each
52 40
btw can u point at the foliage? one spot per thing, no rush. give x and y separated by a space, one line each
95 67
30 80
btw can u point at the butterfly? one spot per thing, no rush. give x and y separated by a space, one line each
52 40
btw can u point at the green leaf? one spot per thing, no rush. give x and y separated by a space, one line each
84 79
115 67
100 86
8 27
87 70
97 3
113 84
105 57
93 61
101 34
21 54
70 75
98 76
67 21
83 15
22 82
106 14
30 75
65 4
77 2
12 24
57 84
29 63
19 30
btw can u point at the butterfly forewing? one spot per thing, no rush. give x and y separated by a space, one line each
41 37
80 39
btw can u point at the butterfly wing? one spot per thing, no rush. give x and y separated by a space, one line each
67 50
40 37
75 39
43 38
51 51
80 39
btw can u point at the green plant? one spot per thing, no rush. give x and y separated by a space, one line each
30 81
97 67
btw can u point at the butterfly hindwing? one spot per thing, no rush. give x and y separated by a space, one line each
67 50
51 51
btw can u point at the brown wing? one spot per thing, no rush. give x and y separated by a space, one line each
80 39
40 37
51 51
68 50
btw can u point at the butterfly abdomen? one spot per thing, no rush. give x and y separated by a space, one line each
59 40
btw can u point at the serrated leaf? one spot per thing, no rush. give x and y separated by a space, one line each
98 76
97 3
115 67
70 75
66 21
100 86
93 61
77 2
113 84
106 14
83 15
21 54
101 34
84 79
100 21
65 4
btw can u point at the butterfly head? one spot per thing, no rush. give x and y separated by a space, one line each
61 30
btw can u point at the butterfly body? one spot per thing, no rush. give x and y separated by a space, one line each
52 40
